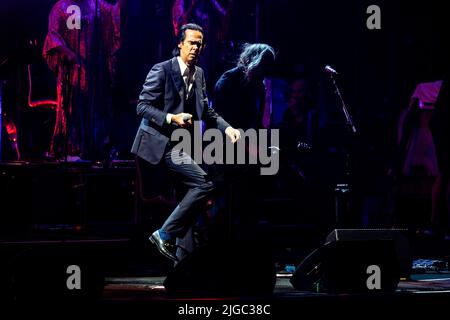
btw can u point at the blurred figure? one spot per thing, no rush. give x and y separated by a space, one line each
299 123
81 47
414 132
12 147
240 93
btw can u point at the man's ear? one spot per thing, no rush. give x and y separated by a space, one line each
179 45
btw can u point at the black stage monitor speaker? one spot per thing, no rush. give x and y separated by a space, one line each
355 261
235 269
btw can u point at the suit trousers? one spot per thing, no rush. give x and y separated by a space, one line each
191 177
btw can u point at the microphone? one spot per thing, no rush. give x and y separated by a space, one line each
330 70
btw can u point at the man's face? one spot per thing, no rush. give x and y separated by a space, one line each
191 47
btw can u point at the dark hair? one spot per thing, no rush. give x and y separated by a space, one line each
182 35
253 55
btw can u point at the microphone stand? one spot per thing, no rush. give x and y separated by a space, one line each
348 117
1 118
343 189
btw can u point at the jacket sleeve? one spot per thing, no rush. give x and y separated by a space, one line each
151 100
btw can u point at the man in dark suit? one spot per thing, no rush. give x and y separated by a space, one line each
174 94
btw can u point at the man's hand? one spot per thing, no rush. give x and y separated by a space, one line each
182 119
234 134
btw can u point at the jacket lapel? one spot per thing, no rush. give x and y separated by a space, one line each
177 79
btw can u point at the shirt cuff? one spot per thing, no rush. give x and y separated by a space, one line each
169 118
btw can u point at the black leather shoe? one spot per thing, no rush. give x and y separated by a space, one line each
163 246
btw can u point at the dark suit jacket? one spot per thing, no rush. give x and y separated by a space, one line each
162 93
